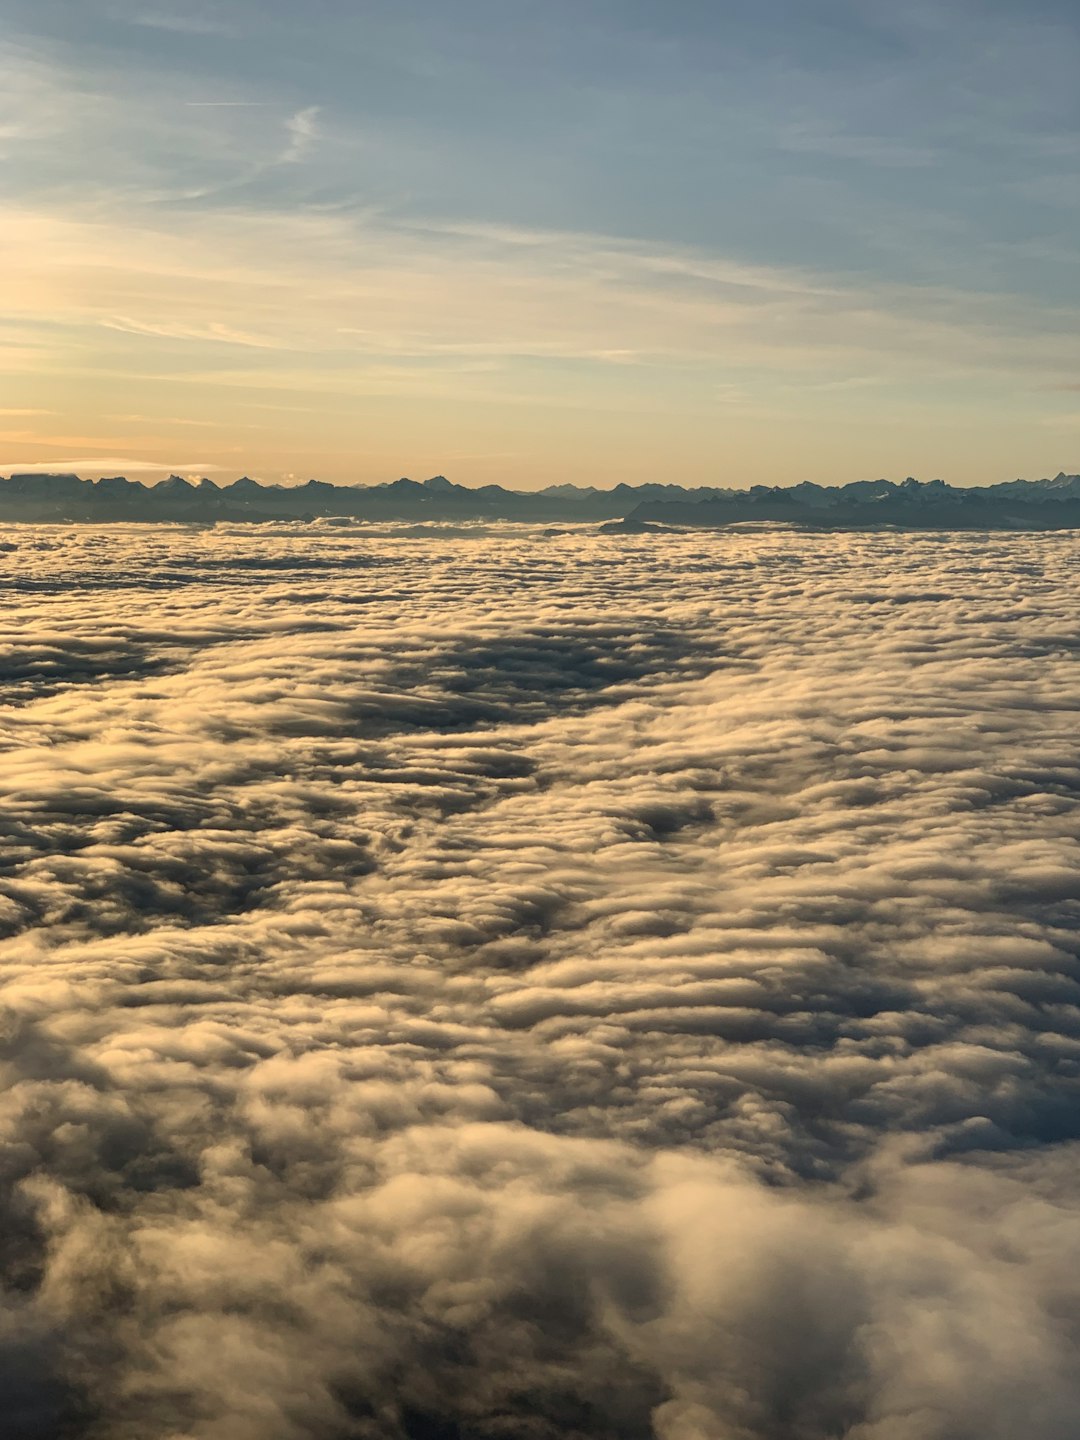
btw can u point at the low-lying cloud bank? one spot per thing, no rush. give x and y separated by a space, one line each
494 987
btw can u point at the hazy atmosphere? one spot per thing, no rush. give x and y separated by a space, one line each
529 242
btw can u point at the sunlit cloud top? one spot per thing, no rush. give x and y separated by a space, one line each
531 243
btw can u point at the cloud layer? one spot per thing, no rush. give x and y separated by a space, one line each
517 985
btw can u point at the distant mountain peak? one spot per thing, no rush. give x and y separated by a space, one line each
118 482
45 476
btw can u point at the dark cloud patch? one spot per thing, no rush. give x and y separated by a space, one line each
51 662
519 993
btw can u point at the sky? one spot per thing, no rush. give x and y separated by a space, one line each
760 241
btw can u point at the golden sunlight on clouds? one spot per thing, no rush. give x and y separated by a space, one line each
586 986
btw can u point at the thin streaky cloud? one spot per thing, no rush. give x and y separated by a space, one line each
215 332
177 24
95 464
303 131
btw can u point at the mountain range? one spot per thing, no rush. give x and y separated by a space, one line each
1018 504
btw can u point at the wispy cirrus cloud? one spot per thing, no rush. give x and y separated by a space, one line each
93 465
174 22
303 131
335 305
213 332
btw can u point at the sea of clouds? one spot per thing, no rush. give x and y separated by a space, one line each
508 985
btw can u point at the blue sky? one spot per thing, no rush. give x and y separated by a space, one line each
732 243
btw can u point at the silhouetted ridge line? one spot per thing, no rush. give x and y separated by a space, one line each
933 505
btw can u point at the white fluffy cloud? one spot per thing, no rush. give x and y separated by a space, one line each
518 985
